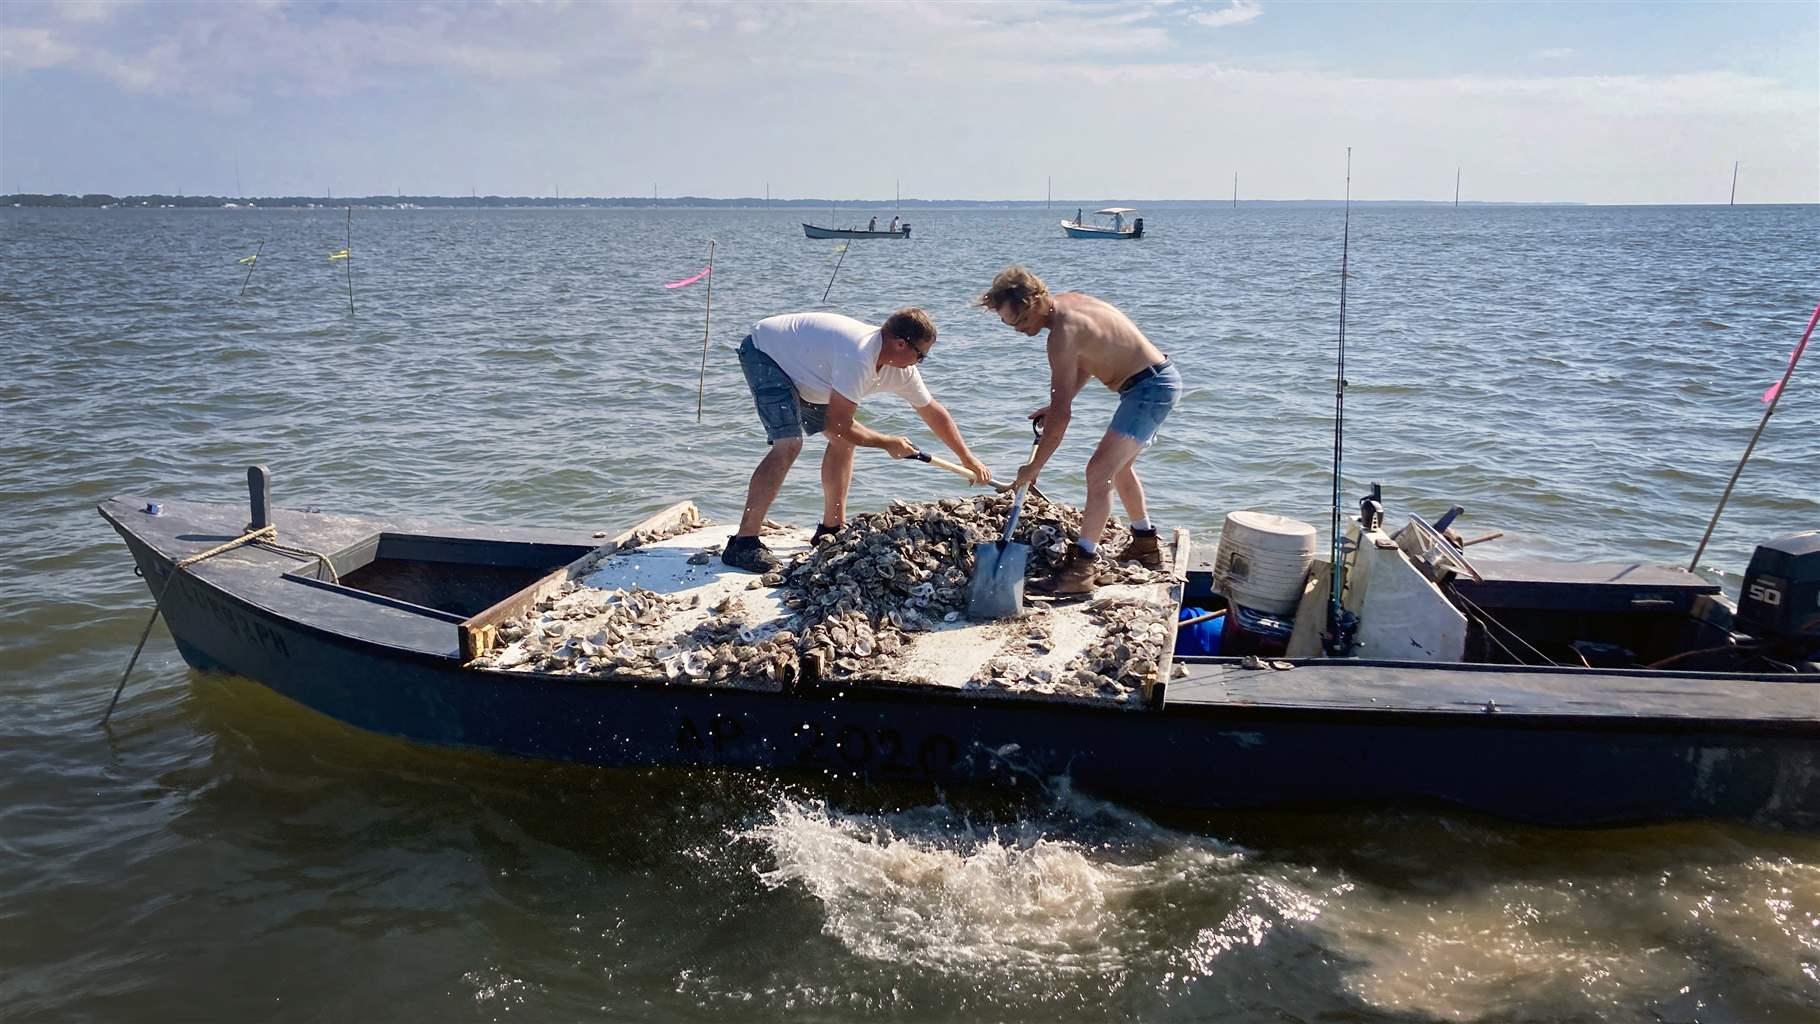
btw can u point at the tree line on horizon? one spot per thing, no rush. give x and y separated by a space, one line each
102 199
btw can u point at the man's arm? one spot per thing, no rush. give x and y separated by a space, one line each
839 425
1066 378
941 424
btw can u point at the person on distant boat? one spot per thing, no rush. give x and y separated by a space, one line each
893 224
872 225
808 373
1090 339
1077 216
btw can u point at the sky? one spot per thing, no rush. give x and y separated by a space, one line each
1152 100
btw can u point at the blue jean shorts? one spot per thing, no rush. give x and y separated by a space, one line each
780 409
1145 405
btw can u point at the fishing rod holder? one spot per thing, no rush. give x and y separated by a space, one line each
259 489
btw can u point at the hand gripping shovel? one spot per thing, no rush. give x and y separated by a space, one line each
996 590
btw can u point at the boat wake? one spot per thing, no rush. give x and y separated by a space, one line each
1076 887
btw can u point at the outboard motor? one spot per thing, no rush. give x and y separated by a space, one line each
1137 228
1780 601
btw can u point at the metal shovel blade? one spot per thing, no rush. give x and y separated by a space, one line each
996 590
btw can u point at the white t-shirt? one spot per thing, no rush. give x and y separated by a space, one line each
824 352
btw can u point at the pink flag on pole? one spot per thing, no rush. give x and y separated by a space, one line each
685 282
1775 389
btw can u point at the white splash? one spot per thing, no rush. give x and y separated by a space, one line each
928 888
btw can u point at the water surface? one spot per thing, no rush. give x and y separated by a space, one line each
1583 379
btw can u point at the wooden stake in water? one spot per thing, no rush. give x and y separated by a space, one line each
254 262
707 316
1772 396
350 259
843 258
1734 201
1456 188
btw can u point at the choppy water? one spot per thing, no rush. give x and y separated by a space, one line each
1582 379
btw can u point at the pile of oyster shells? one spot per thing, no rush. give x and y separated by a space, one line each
904 569
585 630
854 597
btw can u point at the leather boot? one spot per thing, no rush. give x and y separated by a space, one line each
1077 574
1145 549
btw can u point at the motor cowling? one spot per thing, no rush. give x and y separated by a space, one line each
1780 599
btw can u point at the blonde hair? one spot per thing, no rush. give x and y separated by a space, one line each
911 325
1015 287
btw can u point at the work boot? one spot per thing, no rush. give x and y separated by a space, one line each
823 530
1077 575
750 554
1144 549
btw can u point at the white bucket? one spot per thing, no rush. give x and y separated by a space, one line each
1263 561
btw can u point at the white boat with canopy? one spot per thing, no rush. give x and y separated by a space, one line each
1114 227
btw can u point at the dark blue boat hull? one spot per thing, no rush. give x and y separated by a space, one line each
1553 769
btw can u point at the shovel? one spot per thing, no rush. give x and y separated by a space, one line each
996 590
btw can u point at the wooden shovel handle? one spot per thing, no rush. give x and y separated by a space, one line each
959 470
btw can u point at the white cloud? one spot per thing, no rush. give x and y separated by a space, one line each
1236 12
95 11
32 49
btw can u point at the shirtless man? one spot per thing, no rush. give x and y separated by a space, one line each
1090 339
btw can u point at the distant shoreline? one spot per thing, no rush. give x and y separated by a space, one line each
852 207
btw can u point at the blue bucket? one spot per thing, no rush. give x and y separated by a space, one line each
1202 638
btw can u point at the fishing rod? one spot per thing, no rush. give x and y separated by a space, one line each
1340 622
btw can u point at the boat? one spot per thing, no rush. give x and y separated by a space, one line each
386 624
811 231
1115 227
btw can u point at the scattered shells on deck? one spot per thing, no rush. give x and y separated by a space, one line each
855 597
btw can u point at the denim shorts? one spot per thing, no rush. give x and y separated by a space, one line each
1144 406
783 413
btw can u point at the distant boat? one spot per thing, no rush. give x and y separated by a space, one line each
812 231
1115 228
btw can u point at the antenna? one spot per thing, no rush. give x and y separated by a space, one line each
1049 197
1235 190
1456 188
1734 201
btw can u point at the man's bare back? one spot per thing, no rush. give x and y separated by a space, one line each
1104 342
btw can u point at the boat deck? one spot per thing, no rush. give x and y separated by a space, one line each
1564 693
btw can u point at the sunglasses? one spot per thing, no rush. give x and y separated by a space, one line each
921 353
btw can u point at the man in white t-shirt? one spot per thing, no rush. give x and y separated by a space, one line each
808 373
